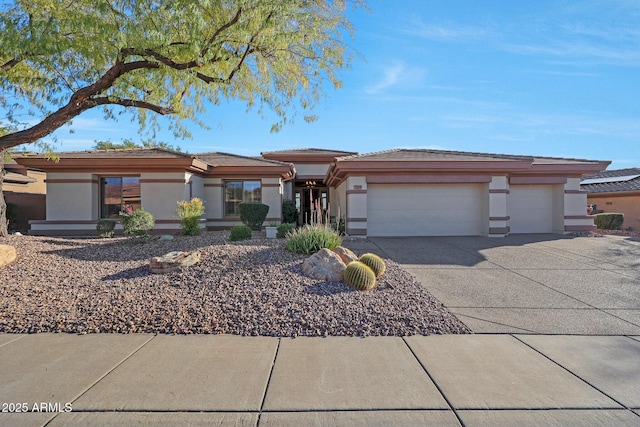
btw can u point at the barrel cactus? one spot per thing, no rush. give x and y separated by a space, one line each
374 262
359 276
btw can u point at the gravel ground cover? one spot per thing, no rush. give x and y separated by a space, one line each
253 287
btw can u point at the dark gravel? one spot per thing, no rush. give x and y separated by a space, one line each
243 288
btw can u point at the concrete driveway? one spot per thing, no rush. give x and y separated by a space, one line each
539 284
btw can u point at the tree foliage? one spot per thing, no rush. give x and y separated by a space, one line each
128 144
59 58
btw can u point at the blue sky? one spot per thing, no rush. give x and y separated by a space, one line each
553 78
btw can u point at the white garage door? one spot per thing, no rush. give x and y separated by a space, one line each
425 209
531 209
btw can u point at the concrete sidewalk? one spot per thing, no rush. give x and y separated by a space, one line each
505 379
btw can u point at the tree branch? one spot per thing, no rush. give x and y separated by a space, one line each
10 63
81 100
105 100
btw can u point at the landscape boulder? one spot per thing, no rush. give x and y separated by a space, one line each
324 265
172 261
7 255
345 254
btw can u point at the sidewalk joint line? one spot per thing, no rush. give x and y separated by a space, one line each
572 373
426 371
266 389
13 340
114 368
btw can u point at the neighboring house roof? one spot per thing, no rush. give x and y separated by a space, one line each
15 173
405 162
618 180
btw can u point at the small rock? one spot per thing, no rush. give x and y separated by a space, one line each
17 233
7 255
172 261
345 254
324 265
166 237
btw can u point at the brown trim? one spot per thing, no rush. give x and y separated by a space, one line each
225 219
356 192
269 185
116 164
580 228
575 192
214 185
499 191
499 230
537 180
72 181
612 194
499 218
428 179
163 181
356 219
275 218
579 216
357 231
309 177
67 222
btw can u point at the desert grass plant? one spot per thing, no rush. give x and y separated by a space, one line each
106 228
190 213
240 232
311 238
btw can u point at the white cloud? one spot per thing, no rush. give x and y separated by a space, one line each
396 74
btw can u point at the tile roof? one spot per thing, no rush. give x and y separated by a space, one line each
118 153
226 159
419 154
312 151
613 186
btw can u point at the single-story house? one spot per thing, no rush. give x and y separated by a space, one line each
402 192
615 191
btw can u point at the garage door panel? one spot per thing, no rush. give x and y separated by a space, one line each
531 209
424 210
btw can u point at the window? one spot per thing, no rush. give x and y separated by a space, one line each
236 192
118 192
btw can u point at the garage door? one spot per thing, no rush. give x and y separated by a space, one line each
425 209
531 209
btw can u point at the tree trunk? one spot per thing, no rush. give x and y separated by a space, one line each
3 206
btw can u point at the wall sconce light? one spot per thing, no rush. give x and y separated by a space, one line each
310 183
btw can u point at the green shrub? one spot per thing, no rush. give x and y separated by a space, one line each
284 229
289 211
137 223
359 276
609 221
253 214
311 238
106 228
240 232
190 213
375 263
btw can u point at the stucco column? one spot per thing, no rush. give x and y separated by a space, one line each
498 207
575 208
356 219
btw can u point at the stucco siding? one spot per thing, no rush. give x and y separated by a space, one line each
629 205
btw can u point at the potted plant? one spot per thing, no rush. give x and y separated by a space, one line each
272 230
